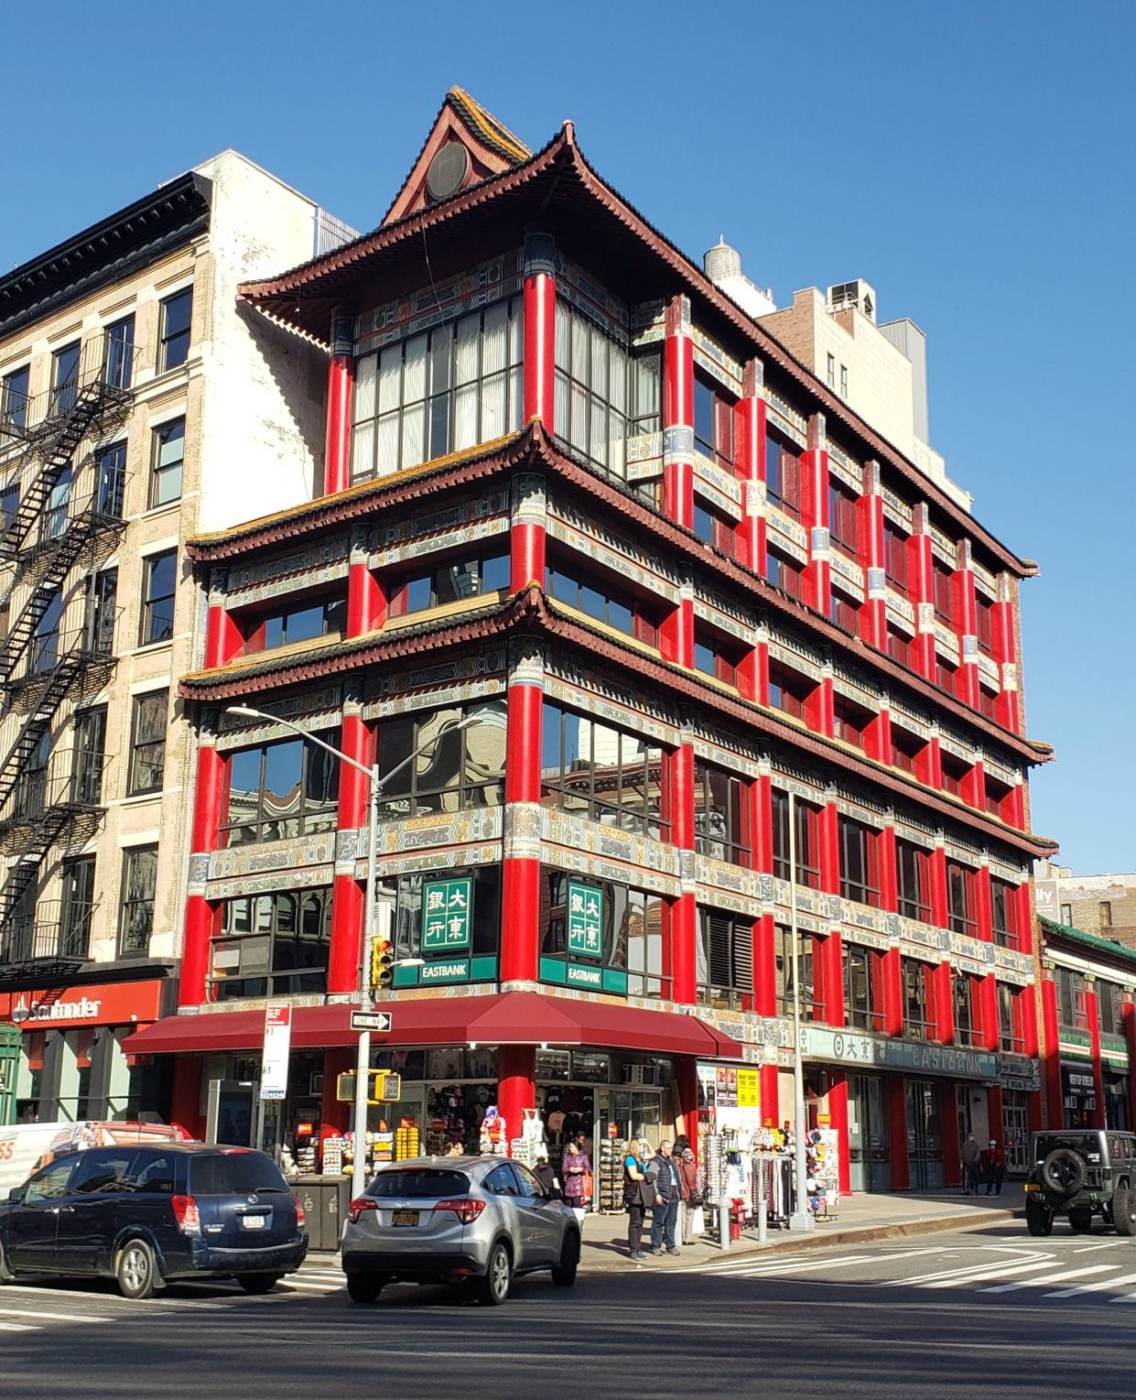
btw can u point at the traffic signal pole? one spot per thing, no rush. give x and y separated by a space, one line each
363 1060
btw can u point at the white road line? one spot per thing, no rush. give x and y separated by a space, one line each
990 1260
770 1271
749 1267
18 1327
1053 1278
52 1316
113 1298
328 1287
1108 1244
1097 1287
973 1277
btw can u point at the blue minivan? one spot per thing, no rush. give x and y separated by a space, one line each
147 1216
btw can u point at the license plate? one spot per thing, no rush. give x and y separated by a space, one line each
404 1217
253 1222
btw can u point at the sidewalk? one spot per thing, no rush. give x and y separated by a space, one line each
861 1219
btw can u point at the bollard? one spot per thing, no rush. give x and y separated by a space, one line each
724 1222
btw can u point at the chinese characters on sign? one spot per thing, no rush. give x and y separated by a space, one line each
446 912
585 921
274 1055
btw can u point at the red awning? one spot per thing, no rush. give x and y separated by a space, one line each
510 1018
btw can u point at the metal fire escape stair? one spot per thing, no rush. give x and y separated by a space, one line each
53 442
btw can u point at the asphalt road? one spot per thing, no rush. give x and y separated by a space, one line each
976 1313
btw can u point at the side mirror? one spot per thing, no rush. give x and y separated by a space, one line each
16 1194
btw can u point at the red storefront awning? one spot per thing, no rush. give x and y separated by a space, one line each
509 1018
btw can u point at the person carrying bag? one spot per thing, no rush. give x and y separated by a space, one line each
638 1197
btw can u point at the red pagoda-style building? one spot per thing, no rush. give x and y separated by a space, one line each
625 576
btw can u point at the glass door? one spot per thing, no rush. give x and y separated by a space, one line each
868 1134
924 1136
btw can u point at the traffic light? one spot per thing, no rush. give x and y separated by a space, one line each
383 1086
382 963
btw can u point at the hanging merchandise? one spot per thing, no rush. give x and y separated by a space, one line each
407 1142
612 1154
532 1129
824 1170
332 1156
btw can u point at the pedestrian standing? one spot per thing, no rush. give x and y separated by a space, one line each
575 1164
993 1168
691 1193
638 1196
662 1172
545 1173
971 1158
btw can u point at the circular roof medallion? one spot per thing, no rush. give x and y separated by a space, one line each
447 171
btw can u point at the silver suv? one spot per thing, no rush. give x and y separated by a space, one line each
475 1221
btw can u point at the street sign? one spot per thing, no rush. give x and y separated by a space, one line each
277 1044
370 1020
446 907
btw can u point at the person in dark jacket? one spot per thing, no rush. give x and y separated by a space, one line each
663 1173
545 1173
993 1168
638 1195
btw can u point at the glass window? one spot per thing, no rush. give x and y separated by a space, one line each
405 896
455 768
173 348
272 944
1004 906
78 905
985 624
281 789
713 423
148 743
844 612
807 947
861 987
118 353
633 932
895 557
105 1172
88 756
859 865
136 914
713 529
592 770
168 456
715 657
850 721
450 582
159 583
65 378
103 611
441 391
721 814
51 1183
1010 1037
914 882
789 690
783 474
842 519
905 748
961 898
300 622
898 647
110 479
14 399
917 1024
943 583
783 572
725 957
604 601
808 844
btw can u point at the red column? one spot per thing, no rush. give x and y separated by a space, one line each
1130 1038
952 1148
877 736
770 1096
540 328
1014 806
527 532
185 1095
870 537
814 517
765 966
348 904
1092 1014
831 950
984 904
678 414
939 901
765 932
966 625
684 910
1007 710
995 1116
750 430
686 1088
972 787
208 806
1051 1055
516 1085
892 992
520 880
838 1118
897 1132
223 638
929 763
986 990
340 386
889 900
942 998
921 591
366 598
1027 1006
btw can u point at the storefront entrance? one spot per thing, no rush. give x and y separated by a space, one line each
924 1136
1015 1131
868 1138
1116 1100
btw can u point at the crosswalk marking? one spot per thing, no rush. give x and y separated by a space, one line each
1097 1287
34 1312
753 1268
987 1271
1053 1278
17 1327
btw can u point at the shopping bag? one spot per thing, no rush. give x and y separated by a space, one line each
697 1220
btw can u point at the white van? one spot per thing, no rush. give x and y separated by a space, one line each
24 1147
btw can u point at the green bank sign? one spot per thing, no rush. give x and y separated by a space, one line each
585 920
447 912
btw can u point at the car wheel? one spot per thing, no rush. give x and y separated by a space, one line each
365 1288
258 1283
1124 1210
564 1273
493 1289
1039 1218
6 1274
136 1270
1081 1221
1063 1172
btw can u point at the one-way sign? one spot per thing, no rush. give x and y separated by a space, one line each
370 1020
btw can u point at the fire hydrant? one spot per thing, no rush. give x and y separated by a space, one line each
737 1216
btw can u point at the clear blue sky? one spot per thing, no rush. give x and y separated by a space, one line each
973 161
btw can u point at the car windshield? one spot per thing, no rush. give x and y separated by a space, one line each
233 1173
426 1183
1085 1143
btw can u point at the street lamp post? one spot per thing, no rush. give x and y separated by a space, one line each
801 1219
377 783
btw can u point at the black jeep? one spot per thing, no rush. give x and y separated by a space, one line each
1082 1172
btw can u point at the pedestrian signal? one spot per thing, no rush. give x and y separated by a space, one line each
382 963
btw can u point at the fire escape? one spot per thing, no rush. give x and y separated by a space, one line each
52 537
